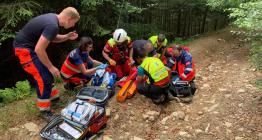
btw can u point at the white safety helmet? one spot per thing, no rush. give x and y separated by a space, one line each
120 35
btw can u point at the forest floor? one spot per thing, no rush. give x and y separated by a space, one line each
227 104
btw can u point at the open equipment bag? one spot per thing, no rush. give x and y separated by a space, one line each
94 94
76 120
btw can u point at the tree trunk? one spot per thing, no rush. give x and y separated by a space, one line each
199 27
178 22
189 23
165 15
172 23
194 27
204 20
185 23
215 24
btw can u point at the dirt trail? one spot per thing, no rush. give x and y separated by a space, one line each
226 105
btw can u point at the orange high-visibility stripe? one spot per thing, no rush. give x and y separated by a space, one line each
72 67
23 54
66 72
76 80
54 94
65 75
189 76
25 58
68 69
43 105
37 77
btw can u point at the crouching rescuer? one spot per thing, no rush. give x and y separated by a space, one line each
183 71
118 52
78 67
153 78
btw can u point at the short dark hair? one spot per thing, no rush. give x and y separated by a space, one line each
176 47
86 40
141 43
139 52
161 37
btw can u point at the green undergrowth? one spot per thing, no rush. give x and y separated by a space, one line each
21 90
256 55
18 112
258 83
181 41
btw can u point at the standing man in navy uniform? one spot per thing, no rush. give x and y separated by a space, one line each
30 47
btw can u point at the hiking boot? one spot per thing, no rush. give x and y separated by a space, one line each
47 115
69 86
56 103
57 99
160 99
187 99
170 96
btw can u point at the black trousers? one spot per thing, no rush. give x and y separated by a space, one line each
152 91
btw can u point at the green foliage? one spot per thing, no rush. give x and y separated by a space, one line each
31 108
58 80
248 15
127 8
137 30
91 3
94 19
245 13
102 16
256 55
181 41
13 13
90 23
223 4
7 95
258 83
21 91
214 3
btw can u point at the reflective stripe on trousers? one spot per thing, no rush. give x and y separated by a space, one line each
42 77
43 104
